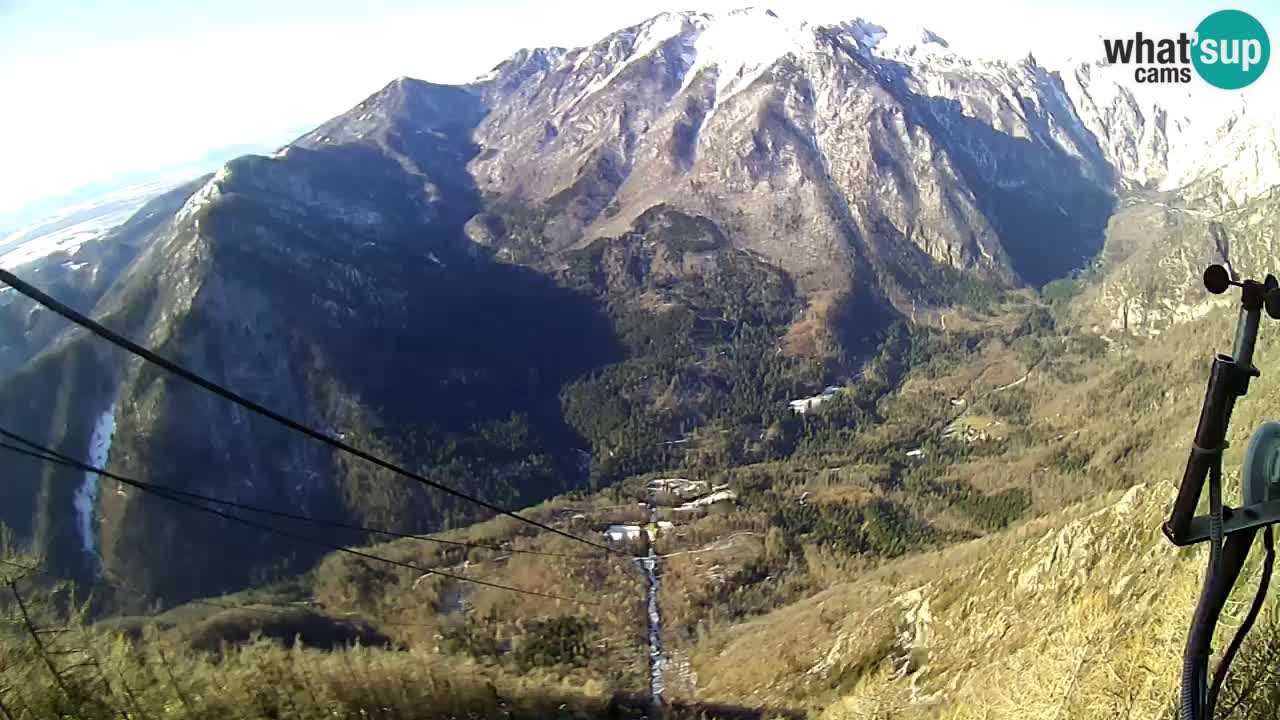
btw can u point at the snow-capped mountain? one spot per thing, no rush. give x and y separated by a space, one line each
876 148
1170 139
846 153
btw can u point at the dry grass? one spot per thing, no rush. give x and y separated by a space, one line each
457 649
263 679
1080 613
487 623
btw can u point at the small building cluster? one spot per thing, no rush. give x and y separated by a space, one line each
805 405
720 493
623 533
695 493
632 533
680 487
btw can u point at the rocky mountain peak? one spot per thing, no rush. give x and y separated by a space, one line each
879 40
928 36
523 64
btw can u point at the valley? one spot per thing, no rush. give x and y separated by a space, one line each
871 363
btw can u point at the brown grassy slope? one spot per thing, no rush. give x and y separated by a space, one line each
194 661
598 642
264 679
1091 599
709 586
487 624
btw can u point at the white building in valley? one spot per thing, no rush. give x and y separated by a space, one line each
804 405
623 533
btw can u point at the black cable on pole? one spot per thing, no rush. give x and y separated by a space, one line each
147 487
116 339
1255 608
64 459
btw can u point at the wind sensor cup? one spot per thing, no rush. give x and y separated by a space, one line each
1229 380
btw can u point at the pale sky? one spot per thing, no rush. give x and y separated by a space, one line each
90 89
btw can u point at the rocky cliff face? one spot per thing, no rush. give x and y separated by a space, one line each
1198 175
832 151
1146 279
856 157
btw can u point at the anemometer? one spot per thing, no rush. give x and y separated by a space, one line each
1229 531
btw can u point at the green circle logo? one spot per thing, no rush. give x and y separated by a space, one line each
1232 49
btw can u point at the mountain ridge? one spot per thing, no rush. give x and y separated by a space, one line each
618 195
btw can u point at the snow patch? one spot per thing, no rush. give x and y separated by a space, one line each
86 497
738 46
68 240
652 36
867 34
912 41
741 46
202 197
